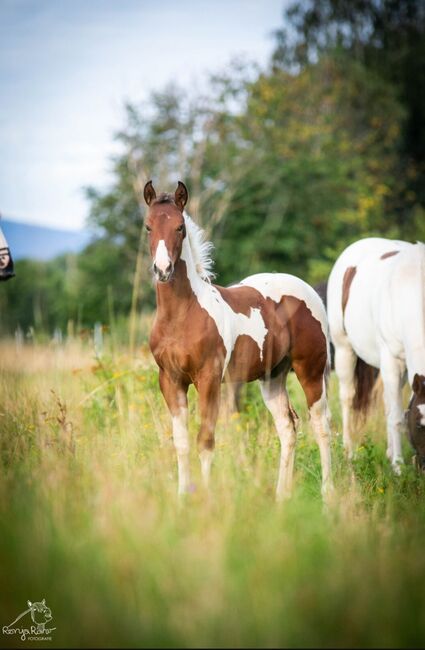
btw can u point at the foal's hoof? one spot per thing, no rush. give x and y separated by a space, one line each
282 497
397 465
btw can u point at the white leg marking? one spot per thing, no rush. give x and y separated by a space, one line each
181 443
276 399
162 258
345 361
392 371
206 458
320 423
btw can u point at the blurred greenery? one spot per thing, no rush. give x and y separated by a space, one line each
285 165
89 518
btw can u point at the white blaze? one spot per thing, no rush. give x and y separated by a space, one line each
162 259
421 409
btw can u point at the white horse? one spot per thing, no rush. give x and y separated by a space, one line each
376 310
6 262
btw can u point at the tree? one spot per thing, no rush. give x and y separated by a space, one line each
388 38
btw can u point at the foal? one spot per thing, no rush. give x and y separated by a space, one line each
205 334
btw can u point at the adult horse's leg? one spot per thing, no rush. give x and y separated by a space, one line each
175 395
393 378
276 399
209 387
314 387
345 364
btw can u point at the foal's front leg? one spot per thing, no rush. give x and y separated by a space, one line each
175 394
208 386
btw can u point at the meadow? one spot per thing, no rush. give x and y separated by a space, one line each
90 520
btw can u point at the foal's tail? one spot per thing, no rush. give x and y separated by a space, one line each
364 380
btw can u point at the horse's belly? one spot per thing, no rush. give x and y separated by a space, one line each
248 362
363 342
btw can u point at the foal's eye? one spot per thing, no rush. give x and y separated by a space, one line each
180 228
148 229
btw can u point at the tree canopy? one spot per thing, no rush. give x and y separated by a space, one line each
285 165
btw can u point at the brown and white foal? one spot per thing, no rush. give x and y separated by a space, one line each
205 334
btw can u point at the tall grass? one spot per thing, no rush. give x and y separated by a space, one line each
89 520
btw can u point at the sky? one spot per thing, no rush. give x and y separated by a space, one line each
68 66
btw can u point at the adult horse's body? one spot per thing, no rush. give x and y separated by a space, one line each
376 310
204 334
6 262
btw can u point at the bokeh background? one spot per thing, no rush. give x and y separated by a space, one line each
298 127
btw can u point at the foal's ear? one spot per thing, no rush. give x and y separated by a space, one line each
181 195
149 193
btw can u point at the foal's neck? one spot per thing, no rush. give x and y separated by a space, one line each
173 298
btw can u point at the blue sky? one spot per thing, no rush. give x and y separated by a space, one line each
66 67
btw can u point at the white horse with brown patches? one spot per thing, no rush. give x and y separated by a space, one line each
376 311
204 334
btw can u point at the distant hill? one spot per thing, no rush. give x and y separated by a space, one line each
41 243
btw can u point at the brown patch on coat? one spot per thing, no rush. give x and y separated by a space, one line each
242 300
348 278
294 338
308 348
390 254
415 428
365 377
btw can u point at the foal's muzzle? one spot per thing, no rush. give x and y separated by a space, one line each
163 276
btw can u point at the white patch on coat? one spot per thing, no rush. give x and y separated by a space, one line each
230 325
181 443
206 458
421 408
276 285
162 259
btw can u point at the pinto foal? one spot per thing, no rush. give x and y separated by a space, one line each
205 334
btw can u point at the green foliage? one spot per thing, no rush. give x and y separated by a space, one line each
89 519
386 37
43 295
285 166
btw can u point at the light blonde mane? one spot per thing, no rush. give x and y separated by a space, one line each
200 249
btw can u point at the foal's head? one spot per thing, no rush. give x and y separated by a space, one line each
166 228
416 419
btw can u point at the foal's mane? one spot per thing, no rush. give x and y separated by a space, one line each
199 246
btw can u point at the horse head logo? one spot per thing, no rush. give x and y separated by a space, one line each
40 613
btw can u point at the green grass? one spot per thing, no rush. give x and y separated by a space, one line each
90 520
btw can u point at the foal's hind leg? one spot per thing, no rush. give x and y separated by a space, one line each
314 387
276 399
